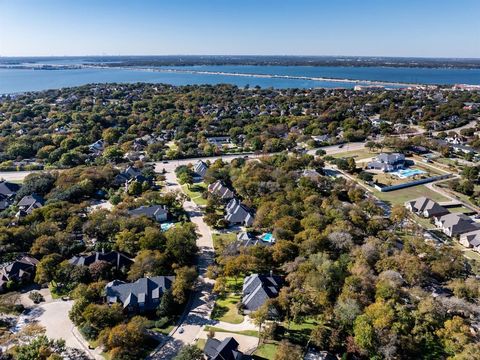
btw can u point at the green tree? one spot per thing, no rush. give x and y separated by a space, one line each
189 352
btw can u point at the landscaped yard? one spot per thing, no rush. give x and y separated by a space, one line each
226 309
357 154
195 192
220 240
253 333
459 209
402 195
265 351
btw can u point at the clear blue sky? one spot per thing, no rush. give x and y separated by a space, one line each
435 28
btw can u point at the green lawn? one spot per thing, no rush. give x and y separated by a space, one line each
201 343
459 209
357 154
265 351
220 240
298 333
253 333
425 223
402 195
195 191
226 310
165 330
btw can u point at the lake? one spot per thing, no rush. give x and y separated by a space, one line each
21 80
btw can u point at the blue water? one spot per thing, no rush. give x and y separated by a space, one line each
268 237
406 173
166 226
20 80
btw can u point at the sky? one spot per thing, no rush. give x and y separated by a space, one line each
424 28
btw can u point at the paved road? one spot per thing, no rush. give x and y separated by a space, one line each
197 313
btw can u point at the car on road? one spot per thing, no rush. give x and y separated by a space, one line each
341 146
165 162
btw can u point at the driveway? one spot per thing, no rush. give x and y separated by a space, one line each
198 310
53 316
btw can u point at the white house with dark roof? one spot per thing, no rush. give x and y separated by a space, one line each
238 214
426 207
218 188
456 224
387 162
29 203
471 240
142 295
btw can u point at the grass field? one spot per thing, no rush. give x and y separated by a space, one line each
357 154
459 209
402 195
226 309
220 240
253 333
201 343
195 192
265 351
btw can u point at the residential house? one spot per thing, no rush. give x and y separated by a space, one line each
318 355
200 169
116 259
219 140
219 189
142 295
227 349
471 240
8 190
238 214
19 271
97 147
321 138
29 203
311 174
245 240
456 224
426 207
156 212
130 174
387 162
257 289
455 139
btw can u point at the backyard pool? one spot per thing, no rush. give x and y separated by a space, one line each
166 226
268 237
406 173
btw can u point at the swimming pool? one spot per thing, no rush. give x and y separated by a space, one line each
166 226
268 237
406 173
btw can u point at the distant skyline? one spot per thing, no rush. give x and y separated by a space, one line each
393 28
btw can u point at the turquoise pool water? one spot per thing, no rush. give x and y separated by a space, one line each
268 237
166 226
406 173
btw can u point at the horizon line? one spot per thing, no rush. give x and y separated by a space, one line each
243 55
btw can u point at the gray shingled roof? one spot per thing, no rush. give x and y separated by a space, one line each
145 290
238 213
114 258
257 289
200 168
227 349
